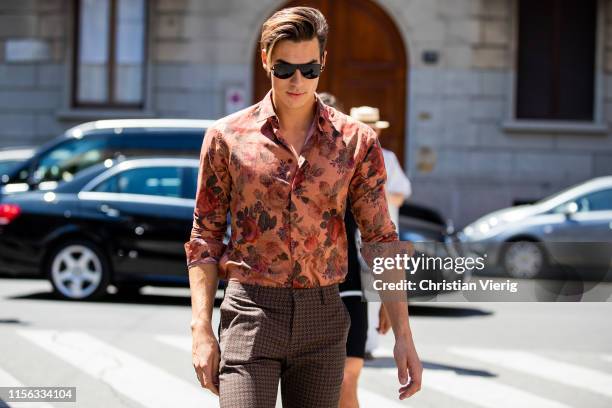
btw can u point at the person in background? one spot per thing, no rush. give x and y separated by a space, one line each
398 189
352 296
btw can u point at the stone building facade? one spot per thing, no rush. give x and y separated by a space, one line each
465 150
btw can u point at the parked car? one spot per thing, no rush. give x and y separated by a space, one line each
10 157
121 222
430 233
420 223
572 228
90 143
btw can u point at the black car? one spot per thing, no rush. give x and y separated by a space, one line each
122 222
90 143
431 235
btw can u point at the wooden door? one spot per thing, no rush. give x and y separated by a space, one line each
366 63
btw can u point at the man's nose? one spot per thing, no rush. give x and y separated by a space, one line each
297 77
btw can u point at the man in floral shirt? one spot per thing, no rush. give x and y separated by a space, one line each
284 169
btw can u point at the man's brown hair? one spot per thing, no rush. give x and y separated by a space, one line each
294 24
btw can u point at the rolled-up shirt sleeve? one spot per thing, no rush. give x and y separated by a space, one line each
211 202
367 194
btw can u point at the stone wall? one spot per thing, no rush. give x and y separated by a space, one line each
30 91
201 49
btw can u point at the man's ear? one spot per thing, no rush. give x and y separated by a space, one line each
264 59
324 60
264 62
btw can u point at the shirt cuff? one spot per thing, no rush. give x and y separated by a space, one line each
200 251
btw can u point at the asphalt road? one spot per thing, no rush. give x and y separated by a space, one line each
135 352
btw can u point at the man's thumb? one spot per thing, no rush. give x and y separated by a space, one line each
402 373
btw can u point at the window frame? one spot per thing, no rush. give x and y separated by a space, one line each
180 171
183 169
585 196
72 105
558 209
599 125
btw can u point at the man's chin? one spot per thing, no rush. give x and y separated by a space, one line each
292 103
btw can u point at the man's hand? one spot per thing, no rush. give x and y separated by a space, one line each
203 282
408 365
206 357
404 352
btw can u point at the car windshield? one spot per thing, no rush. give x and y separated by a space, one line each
6 166
556 195
64 161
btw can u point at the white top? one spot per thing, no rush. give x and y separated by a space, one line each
397 182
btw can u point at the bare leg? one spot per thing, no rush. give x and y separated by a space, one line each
350 382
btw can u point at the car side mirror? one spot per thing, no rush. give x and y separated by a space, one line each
570 209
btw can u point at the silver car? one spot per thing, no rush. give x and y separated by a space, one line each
572 227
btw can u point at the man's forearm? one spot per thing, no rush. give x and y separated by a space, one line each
396 303
203 282
398 314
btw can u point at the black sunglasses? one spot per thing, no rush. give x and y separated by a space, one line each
284 70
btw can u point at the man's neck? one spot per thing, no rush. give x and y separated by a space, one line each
292 120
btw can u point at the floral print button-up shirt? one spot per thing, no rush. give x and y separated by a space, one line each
287 212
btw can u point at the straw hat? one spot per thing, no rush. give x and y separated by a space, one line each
370 116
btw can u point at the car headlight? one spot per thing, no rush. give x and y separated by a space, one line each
483 228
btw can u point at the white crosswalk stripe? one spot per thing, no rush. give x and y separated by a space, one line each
179 342
121 370
533 364
371 399
486 392
483 392
7 380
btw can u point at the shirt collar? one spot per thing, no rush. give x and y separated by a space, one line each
327 120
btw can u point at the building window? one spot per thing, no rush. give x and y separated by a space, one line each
556 59
110 54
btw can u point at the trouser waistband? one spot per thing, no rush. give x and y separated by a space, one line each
324 293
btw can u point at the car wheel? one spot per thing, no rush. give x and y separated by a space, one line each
78 270
524 259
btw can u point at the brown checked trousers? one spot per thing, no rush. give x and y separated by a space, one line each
297 336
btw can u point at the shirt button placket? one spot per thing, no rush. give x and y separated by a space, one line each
291 206
292 209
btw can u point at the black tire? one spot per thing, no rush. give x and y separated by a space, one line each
91 269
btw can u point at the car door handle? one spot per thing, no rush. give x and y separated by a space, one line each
108 210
